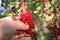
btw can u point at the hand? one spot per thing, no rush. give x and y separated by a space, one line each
14 22
9 25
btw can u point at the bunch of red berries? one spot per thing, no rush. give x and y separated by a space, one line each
55 31
26 17
45 1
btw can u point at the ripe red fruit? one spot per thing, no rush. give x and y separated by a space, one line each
22 18
44 11
31 33
23 4
45 0
58 9
53 30
26 17
58 31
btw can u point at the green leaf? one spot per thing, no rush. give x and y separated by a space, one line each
12 0
9 12
2 16
36 12
37 29
59 23
19 10
38 37
13 4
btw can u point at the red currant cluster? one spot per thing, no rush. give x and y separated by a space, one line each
58 9
27 18
45 1
23 4
55 31
58 31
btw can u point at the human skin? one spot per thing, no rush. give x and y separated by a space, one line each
9 25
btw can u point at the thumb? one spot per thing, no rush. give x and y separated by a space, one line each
22 26
18 25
